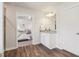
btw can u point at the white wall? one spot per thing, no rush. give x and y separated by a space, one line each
59 21
35 21
1 28
67 27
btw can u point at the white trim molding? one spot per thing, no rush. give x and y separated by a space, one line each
11 48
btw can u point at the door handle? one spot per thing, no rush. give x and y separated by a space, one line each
77 33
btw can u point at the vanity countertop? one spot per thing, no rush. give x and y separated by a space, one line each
53 32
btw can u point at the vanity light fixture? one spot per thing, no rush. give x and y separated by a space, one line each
50 14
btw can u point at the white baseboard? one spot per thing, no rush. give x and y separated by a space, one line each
11 48
36 43
77 54
59 47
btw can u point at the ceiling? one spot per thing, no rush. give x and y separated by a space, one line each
42 6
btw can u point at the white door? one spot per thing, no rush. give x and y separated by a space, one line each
70 25
10 28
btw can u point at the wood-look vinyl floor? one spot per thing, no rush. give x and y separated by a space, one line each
37 51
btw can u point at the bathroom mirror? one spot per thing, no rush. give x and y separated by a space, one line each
48 23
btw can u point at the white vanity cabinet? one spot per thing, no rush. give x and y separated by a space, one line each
48 39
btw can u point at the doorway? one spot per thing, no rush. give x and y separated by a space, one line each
24 30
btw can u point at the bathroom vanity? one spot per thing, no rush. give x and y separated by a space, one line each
48 30
48 39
